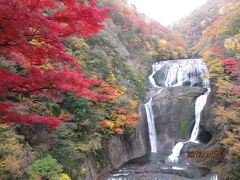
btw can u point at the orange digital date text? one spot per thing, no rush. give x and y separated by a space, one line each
207 154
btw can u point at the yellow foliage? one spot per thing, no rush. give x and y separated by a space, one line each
14 156
147 45
231 142
91 61
215 67
232 44
227 109
203 23
153 53
163 42
226 115
37 43
79 44
83 171
175 54
134 40
111 79
119 91
64 177
46 66
221 11
108 123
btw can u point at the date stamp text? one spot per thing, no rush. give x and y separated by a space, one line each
207 154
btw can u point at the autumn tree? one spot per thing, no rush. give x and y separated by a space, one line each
14 155
223 71
33 58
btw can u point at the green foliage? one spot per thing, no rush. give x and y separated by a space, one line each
101 158
62 150
213 31
101 66
14 156
84 114
65 152
78 106
46 167
120 54
236 169
116 17
130 77
233 26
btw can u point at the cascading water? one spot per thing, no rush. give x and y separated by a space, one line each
166 75
149 112
199 105
215 177
179 73
151 126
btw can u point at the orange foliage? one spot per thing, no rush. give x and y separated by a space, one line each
133 103
121 118
140 30
227 97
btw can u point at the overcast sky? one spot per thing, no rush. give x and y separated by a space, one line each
166 11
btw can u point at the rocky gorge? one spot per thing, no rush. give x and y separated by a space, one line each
122 99
173 88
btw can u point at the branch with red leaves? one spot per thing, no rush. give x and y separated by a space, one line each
31 34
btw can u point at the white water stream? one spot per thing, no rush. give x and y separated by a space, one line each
199 105
151 126
187 72
149 112
178 73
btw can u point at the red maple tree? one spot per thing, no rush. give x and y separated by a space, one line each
232 64
31 35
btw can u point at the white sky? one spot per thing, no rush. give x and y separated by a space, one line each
166 11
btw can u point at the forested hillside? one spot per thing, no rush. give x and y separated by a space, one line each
72 76
213 32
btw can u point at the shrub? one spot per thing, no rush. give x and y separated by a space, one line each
47 167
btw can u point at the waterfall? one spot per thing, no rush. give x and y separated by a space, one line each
199 105
149 112
187 72
215 177
151 126
165 74
155 68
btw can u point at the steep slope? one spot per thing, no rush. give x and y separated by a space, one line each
207 24
213 32
90 142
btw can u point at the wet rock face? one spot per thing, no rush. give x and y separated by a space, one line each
173 112
190 147
160 76
207 117
191 78
197 82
